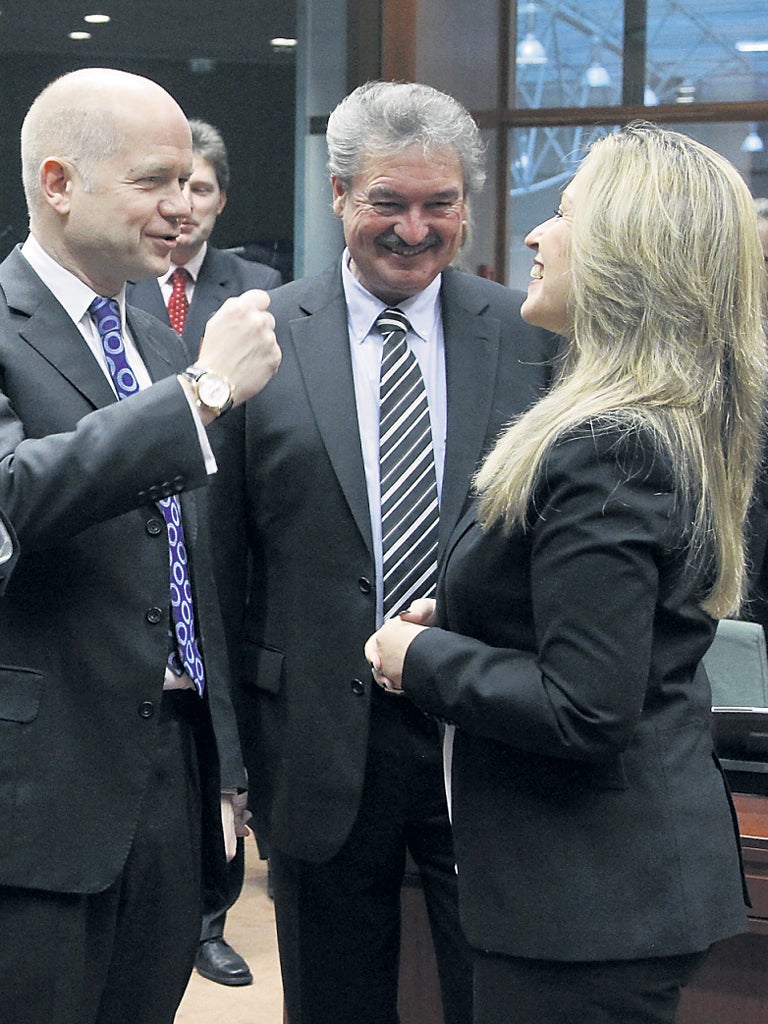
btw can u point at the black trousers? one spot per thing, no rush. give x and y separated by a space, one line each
338 923
510 990
219 898
122 956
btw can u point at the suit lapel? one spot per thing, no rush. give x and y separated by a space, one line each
162 352
50 331
162 355
211 289
471 358
147 295
321 339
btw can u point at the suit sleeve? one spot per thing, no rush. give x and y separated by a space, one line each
122 456
597 541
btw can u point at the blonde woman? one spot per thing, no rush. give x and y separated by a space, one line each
597 856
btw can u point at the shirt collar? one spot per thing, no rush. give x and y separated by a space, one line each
72 293
192 266
363 307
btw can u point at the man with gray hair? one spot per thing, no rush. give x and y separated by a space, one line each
115 714
343 531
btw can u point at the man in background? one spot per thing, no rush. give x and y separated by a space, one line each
116 713
199 279
348 780
201 276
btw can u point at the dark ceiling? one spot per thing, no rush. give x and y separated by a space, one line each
223 30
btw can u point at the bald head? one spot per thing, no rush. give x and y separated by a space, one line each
82 118
106 156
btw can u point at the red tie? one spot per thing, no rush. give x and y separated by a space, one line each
178 304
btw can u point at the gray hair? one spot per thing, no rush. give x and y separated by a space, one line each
208 144
381 118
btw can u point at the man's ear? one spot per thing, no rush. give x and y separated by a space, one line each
56 178
222 202
339 195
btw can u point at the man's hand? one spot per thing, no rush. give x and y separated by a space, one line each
240 344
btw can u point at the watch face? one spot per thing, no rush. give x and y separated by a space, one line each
213 391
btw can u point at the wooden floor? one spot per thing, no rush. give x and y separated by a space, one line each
251 931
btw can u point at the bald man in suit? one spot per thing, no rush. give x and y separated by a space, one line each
112 717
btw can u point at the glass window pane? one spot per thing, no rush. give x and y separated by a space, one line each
542 160
569 54
572 54
695 51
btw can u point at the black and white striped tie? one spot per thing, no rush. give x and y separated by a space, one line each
409 503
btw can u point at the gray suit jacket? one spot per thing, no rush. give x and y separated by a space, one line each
222 275
295 460
83 622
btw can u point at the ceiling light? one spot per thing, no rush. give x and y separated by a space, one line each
97 19
752 143
686 92
753 46
596 76
79 35
530 50
650 99
282 43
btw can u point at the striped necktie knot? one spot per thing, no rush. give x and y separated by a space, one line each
391 321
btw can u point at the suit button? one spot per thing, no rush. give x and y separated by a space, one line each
365 585
146 709
154 527
154 492
154 615
178 484
358 687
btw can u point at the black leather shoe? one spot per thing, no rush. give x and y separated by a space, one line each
217 961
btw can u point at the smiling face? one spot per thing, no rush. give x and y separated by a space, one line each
404 219
206 201
121 222
547 304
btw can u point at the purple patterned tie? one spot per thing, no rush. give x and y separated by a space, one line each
184 654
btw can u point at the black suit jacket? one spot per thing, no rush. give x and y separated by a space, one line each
222 275
591 818
83 622
304 688
9 551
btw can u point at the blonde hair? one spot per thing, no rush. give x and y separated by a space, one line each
667 292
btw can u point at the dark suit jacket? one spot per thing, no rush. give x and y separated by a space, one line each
305 686
83 622
222 275
591 818
8 561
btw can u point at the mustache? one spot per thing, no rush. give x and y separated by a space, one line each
395 244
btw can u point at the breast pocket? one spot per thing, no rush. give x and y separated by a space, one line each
20 693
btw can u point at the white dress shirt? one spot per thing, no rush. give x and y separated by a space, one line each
193 269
